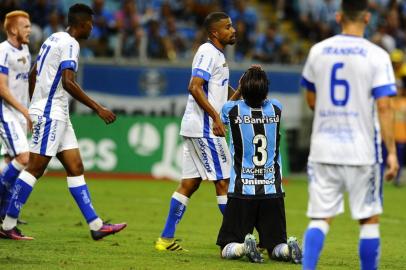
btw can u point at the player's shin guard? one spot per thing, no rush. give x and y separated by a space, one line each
22 190
313 243
78 189
369 246
176 210
222 202
233 251
7 180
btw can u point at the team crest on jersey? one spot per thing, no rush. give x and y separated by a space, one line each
22 59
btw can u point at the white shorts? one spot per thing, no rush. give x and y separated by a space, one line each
13 133
207 158
50 136
327 184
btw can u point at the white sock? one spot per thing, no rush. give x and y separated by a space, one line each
9 223
96 224
233 251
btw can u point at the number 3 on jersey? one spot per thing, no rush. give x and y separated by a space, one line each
261 155
336 84
41 56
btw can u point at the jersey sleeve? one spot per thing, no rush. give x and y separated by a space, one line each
70 55
4 62
203 65
308 76
225 111
384 83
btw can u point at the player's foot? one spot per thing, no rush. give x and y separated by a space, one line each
106 230
294 250
163 244
14 234
251 251
21 222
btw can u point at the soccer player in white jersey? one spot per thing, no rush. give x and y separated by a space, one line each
15 63
205 153
51 80
349 83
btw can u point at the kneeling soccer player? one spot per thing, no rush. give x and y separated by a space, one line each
255 194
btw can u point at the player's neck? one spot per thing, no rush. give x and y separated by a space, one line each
216 44
14 42
72 32
353 29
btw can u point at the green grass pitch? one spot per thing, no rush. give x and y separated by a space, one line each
62 239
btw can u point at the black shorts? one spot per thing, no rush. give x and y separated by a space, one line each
267 216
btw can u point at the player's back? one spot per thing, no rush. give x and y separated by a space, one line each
347 73
15 63
58 52
254 145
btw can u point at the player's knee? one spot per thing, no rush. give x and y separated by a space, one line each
188 187
221 186
76 168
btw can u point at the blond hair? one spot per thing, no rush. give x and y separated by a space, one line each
12 17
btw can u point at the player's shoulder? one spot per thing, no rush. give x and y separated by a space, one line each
209 49
376 51
5 46
230 104
273 102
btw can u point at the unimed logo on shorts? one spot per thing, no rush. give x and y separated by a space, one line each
36 130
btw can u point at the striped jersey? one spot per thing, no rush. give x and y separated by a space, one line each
60 51
254 145
15 63
209 64
348 74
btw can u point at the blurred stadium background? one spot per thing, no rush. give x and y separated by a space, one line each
137 62
138 59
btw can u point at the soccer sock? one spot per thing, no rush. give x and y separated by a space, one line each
22 190
78 189
8 178
233 251
369 246
176 210
313 243
281 252
222 202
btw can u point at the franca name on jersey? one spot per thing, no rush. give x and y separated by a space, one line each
247 119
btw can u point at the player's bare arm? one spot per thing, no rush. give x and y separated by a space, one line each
10 99
386 120
234 94
74 89
311 99
32 79
196 90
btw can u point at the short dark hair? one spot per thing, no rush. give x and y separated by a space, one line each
213 18
254 86
79 13
352 9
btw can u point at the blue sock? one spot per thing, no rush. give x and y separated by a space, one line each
176 210
369 246
222 202
313 243
8 178
78 189
22 190
369 253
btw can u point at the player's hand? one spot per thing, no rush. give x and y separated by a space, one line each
107 115
392 167
28 118
218 128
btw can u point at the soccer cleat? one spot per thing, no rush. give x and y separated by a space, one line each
106 230
294 250
251 251
14 234
163 244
